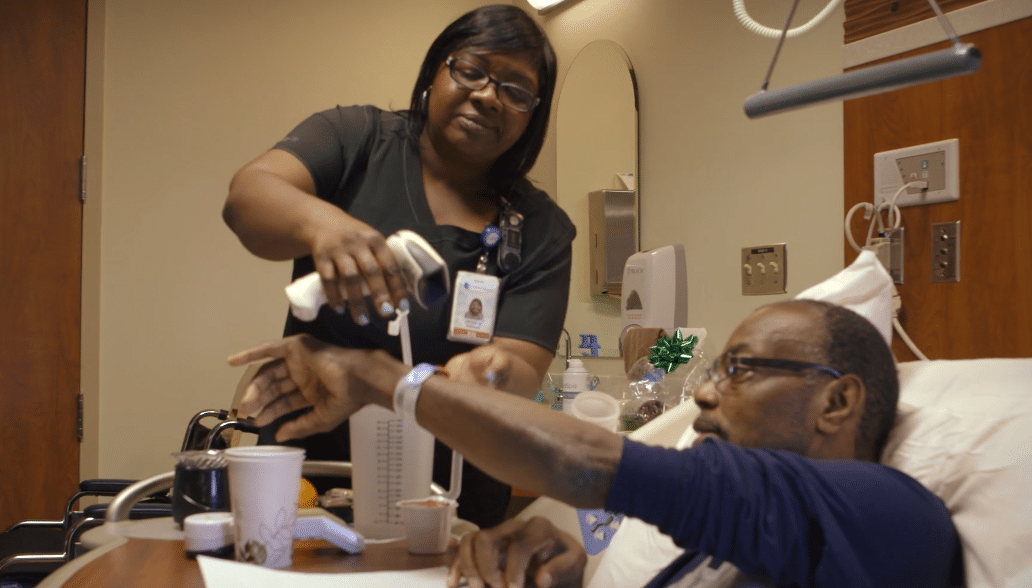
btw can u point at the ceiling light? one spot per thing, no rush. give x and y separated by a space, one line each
544 6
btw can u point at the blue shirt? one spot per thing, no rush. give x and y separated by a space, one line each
794 520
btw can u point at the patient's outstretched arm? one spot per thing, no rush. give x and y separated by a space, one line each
513 439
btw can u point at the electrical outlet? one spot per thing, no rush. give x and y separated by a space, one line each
946 252
764 270
889 250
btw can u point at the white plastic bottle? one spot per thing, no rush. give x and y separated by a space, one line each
575 381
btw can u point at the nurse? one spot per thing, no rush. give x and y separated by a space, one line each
452 168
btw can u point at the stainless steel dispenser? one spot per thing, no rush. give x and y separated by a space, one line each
613 230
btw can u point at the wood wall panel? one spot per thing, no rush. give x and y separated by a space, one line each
865 18
989 312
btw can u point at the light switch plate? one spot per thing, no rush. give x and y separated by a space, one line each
764 270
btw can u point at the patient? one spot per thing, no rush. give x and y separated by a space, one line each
782 481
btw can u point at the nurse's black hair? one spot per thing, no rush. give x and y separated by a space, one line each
497 28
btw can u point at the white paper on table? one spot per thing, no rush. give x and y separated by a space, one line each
223 573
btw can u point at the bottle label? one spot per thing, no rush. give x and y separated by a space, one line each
568 396
574 385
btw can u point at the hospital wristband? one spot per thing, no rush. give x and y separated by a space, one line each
406 391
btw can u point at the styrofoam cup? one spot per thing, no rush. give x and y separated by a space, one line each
428 523
597 407
264 483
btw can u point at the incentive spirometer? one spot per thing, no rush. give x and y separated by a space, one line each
391 457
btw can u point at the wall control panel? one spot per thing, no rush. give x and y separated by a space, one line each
764 270
937 163
946 252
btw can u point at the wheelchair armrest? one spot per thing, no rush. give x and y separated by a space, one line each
150 511
141 510
104 486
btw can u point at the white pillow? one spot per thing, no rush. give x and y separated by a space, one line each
863 287
964 431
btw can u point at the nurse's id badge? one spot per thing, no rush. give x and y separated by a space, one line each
474 306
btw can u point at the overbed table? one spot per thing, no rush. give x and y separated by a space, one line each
162 563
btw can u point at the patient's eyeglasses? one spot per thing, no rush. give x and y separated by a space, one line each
728 366
512 95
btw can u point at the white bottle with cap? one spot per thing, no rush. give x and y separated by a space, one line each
575 381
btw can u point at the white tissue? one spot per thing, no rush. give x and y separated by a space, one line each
863 287
306 295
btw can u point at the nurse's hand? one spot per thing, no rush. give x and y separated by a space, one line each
508 555
512 365
306 372
488 365
352 259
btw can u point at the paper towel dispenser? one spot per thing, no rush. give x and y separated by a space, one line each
613 232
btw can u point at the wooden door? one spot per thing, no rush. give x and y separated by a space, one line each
42 87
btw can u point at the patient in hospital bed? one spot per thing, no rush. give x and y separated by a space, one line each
962 430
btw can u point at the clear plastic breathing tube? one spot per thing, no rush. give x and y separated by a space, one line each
764 31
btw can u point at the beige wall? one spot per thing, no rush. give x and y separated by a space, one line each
182 94
710 178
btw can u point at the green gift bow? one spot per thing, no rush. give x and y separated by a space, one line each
670 352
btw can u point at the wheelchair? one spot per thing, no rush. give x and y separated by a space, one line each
30 550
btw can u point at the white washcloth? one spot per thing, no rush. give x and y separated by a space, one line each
306 296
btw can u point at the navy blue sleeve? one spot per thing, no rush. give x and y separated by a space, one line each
795 520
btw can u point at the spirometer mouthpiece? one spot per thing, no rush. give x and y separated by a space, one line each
424 270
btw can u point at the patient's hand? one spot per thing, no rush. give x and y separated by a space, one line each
518 553
305 371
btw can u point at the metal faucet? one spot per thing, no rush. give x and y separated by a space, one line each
569 350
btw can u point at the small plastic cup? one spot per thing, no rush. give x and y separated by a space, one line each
597 407
428 523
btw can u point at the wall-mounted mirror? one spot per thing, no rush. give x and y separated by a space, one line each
596 149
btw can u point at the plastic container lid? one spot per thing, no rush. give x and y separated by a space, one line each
576 365
597 407
207 531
